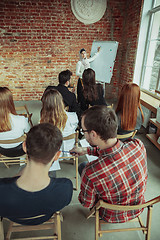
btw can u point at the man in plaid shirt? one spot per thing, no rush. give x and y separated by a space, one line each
119 174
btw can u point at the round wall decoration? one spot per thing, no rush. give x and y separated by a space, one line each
88 11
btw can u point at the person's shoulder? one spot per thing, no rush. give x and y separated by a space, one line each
135 143
18 118
7 181
61 182
71 114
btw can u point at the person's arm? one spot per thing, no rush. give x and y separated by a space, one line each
78 67
78 151
87 196
74 107
91 59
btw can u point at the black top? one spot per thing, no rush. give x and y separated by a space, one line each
69 98
17 204
84 103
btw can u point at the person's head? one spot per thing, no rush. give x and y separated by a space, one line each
6 106
64 77
100 120
43 142
83 53
89 84
89 77
128 104
53 109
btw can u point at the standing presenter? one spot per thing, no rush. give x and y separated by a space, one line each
83 64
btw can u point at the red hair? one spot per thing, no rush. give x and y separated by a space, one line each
128 104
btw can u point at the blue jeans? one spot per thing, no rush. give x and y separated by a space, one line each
81 167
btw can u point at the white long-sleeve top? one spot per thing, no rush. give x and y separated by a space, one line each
19 125
84 64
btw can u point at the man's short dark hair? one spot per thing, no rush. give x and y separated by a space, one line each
102 120
43 142
82 50
64 76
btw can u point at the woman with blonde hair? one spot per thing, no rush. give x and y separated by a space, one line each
129 111
12 126
53 111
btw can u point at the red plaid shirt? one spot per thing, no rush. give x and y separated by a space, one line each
118 176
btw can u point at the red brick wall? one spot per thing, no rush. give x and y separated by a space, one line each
40 38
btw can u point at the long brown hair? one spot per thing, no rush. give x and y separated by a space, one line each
6 107
53 109
128 104
89 84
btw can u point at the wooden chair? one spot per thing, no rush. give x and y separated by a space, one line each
145 228
12 160
23 111
53 224
128 135
73 159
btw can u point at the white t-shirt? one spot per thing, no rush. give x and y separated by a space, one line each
84 64
71 125
19 126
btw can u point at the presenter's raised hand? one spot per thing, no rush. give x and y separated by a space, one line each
98 49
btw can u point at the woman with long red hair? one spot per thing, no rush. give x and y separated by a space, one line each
129 111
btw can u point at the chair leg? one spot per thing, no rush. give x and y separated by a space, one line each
58 225
1 230
9 232
96 224
76 173
149 218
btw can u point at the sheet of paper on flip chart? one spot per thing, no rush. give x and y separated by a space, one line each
104 63
84 143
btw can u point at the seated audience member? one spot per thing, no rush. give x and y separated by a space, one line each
69 98
12 126
34 193
119 174
88 92
129 111
53 112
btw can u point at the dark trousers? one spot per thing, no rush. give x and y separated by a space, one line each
12 152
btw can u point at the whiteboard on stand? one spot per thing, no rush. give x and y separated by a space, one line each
104 63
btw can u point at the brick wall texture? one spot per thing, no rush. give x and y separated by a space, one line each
40 38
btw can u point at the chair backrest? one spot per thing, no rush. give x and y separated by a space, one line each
127 135
23 111
16 140
13 160
146 228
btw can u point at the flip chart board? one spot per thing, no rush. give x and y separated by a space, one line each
104 63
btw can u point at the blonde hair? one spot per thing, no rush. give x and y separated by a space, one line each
53 109
128 104
6 107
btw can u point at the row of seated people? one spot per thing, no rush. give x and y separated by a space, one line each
89 93
129 112
118 176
